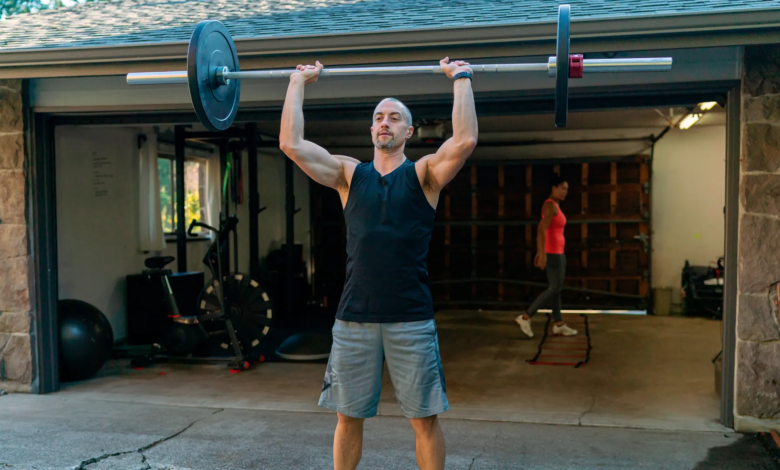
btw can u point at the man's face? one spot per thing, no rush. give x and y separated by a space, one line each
390 129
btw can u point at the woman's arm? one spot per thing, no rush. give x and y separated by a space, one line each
548 212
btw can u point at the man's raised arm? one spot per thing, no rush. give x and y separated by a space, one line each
315 161
452 155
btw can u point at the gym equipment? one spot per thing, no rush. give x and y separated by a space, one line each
555 350
702 290
147 312
306 346
211 48
248 308
235 312
86 339
213 72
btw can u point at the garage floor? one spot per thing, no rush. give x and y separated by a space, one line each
644 372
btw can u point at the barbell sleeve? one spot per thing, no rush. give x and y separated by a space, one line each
654 64
157 78
661 64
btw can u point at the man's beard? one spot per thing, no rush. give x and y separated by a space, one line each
386 144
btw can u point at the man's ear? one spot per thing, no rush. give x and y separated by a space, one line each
410 132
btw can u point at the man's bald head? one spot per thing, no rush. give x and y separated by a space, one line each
407 115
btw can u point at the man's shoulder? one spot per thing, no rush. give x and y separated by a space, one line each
421 167
348 160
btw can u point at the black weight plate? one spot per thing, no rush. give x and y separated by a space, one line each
562 66
211 47
249 306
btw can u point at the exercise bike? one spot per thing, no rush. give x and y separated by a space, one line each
234 313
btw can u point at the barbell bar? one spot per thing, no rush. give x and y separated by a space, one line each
213 73
589 66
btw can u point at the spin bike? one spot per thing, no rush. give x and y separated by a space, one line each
234 311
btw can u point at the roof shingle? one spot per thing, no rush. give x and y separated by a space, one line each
158 21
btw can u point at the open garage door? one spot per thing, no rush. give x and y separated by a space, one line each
485 240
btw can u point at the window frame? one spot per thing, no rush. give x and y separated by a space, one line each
204 235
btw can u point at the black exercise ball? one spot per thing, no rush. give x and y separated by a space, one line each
86 339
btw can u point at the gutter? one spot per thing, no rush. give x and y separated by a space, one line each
730 28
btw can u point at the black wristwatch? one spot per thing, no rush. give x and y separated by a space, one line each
461 75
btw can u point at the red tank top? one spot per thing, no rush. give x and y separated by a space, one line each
554 242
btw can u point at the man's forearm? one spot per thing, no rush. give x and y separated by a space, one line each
464 113
291 131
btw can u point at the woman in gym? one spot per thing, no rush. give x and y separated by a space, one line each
550 243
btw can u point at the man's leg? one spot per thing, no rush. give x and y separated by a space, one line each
412 355
430 443
352 386
348 443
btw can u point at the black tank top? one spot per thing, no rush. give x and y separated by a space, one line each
389 224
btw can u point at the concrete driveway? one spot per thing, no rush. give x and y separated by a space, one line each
63 431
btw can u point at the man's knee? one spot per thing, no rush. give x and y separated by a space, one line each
425 426
345 420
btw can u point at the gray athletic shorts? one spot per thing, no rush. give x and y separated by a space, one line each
353 379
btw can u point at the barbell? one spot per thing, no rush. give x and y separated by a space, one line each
213 74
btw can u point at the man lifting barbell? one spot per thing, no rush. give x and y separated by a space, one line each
389 206
386 309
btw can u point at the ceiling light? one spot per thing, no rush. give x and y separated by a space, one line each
708 105
689 121
431 131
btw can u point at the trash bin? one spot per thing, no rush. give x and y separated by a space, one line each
662 301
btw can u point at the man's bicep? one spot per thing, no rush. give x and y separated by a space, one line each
441 173
317 163
445 164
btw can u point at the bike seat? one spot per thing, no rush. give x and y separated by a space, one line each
158 262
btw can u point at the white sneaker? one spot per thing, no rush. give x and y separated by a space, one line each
564 330
525 325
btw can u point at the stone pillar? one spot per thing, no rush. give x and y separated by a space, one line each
757 405
15 351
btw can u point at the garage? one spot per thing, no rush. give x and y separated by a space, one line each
636 216
652 163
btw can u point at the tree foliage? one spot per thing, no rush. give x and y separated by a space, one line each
15 7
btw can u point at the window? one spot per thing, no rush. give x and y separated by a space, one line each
194 189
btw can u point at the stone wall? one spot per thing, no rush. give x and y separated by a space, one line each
15 351
758 323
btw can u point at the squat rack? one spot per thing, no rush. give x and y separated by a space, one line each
252 141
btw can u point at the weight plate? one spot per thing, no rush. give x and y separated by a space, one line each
562 66
249 308
211 47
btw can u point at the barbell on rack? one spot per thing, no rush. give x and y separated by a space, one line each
213 74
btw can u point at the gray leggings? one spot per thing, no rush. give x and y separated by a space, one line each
556 272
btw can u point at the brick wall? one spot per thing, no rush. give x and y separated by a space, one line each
15 352
758 325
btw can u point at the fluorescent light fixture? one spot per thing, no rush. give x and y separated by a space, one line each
708 105
689 121
599 312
